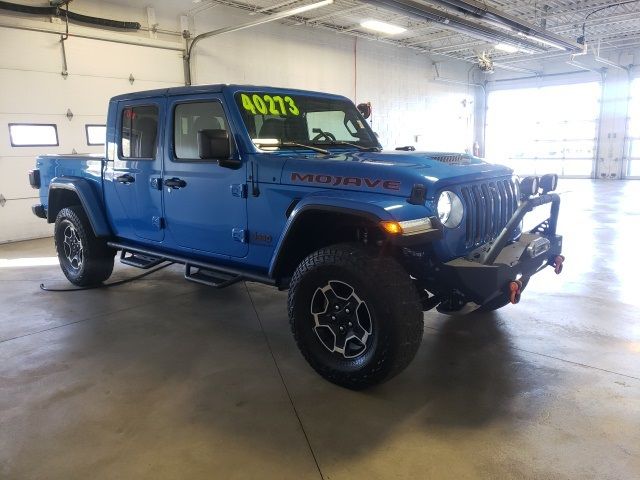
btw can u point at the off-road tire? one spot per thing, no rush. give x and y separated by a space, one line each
397 321
94 264
499 302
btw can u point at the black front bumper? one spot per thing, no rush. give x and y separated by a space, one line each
488 270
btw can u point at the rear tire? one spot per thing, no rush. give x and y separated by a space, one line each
84 258
355 315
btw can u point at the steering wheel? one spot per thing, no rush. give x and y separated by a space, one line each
326 135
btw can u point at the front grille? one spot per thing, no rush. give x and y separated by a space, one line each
488 208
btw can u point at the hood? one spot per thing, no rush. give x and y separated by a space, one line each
393 173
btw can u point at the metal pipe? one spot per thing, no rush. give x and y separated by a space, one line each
91 37
504 20
254 23
459 82
524 208
273 7
538 77
422 12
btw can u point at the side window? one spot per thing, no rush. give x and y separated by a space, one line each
332 122
139 132
96 134
189 119
33 135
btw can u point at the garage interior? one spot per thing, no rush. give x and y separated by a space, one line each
162 378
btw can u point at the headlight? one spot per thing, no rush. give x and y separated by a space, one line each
450 209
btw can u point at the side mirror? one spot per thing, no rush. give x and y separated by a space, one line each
214 145
364 109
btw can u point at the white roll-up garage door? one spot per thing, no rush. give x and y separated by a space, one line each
33 91
632 166
544 129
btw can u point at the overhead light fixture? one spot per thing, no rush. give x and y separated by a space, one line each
383 27
505 47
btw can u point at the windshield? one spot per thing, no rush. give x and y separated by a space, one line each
297 121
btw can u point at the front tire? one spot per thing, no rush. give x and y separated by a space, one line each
355 315
84 258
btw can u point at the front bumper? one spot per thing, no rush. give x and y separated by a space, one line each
488 271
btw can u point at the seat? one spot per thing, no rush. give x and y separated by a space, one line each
188 147
272 128
147 131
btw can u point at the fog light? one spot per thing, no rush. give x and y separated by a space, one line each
548 182
529 186
538 246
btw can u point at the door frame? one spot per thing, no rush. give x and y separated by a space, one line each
169 157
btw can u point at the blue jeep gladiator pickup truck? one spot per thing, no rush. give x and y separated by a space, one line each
291 188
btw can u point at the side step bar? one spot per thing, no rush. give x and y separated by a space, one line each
210 272
212 278
139 260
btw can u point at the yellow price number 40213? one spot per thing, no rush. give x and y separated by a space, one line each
269 105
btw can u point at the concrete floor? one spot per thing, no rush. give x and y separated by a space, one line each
162 378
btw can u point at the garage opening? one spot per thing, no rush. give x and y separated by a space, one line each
633 132
545 129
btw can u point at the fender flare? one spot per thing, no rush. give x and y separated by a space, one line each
368 211
89 200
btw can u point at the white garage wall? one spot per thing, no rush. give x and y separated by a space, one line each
32 90
408 107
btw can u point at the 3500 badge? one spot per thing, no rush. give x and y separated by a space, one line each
263 104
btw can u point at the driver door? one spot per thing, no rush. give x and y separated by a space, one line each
205 203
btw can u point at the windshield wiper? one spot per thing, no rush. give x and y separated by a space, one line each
341 142
310 147
276 143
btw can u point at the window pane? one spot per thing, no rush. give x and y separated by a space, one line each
32 135
139 132
634 168
634 148
534 129
96 134
330 121
576 167
293 119
634 109
191 118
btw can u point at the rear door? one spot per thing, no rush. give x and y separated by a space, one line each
206 208
137 168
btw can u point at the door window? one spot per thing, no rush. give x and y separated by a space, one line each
191 118
139 132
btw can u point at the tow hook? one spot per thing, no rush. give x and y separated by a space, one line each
557 264
515 290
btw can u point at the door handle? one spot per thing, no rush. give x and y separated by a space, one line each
175 183
126 179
